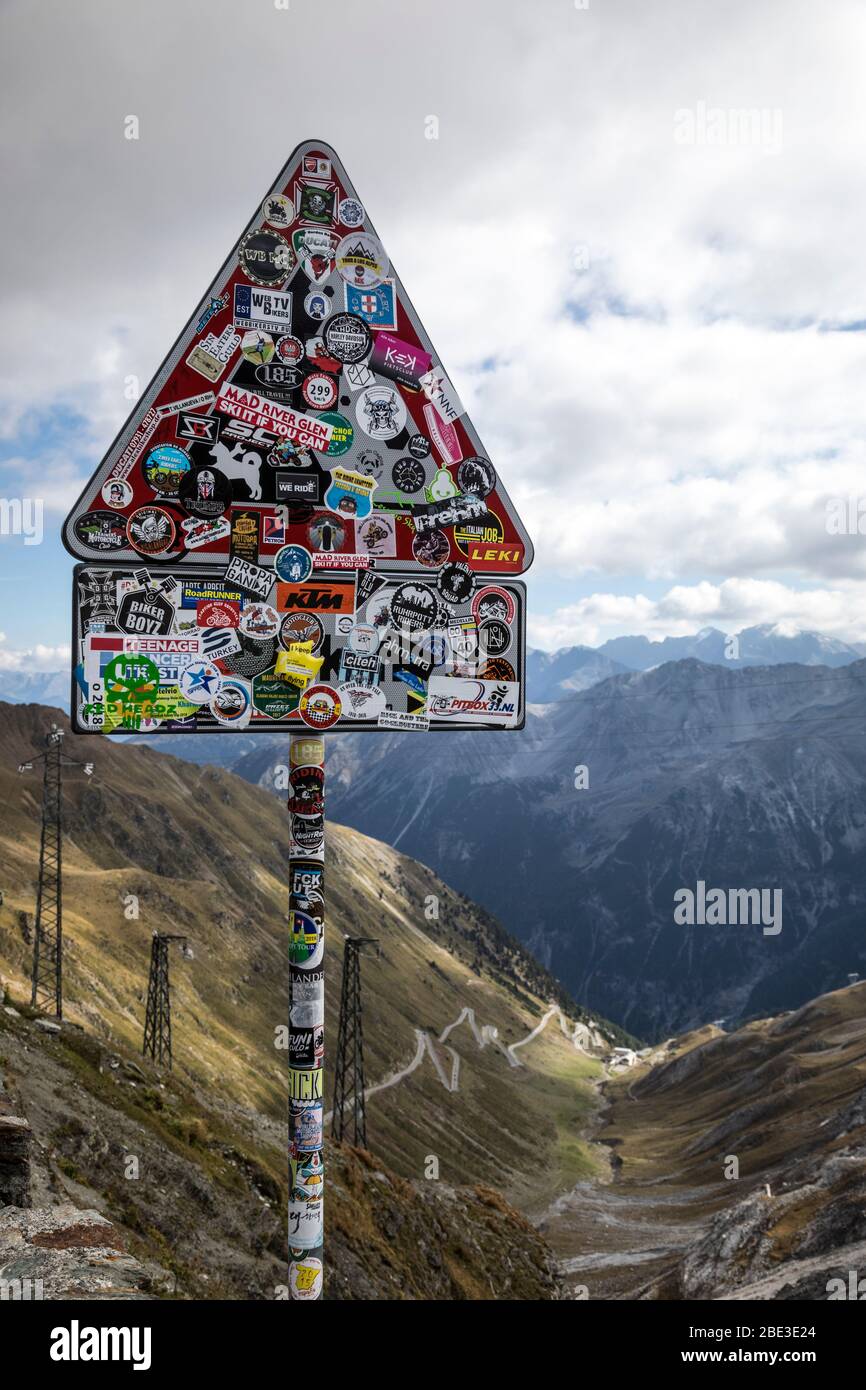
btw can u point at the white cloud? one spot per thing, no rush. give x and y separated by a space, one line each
684 609
675 409
36 658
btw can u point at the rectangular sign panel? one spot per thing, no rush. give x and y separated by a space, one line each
173 650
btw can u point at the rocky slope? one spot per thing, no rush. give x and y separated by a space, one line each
738 1165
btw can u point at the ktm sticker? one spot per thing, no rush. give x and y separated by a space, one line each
316 597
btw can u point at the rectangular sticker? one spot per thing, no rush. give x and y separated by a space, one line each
257 410
269 311
316 596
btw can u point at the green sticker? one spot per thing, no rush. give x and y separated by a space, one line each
343 433
274 696
131 678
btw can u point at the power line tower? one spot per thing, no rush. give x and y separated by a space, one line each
157 1020
349 1085
47 990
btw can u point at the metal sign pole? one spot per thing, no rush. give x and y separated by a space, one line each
306 796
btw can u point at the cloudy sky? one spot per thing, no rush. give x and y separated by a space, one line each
637 242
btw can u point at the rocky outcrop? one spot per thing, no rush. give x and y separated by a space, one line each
804 1230
14 1161
389 1238
62 1252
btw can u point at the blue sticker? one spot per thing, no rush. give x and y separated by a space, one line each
376 306
350 494
293 564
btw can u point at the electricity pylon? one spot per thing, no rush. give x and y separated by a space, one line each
157 1019
47 978
349 1075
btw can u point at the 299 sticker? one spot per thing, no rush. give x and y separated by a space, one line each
319 391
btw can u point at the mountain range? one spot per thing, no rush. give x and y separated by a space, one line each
736 777
748 778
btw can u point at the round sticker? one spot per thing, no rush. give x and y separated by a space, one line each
319 391
434 647
199 682
290 350
117 493
257 347
305 1278
307 790
265 257
455 582
361 260
327 533
293 564
347 338
205 492
320 707
308 832
364 638
494 637
381 412
232 704
342 433
493 602
101 531
408 475
477 476
431 550
497 669
151 531
419 446
259 620
414 607
350 212
317 305
306 941
362 701
302 627
165 467
369 462
278 211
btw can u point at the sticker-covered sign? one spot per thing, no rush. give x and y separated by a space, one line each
241 649
303 370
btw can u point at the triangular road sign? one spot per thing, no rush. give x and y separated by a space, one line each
303 404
